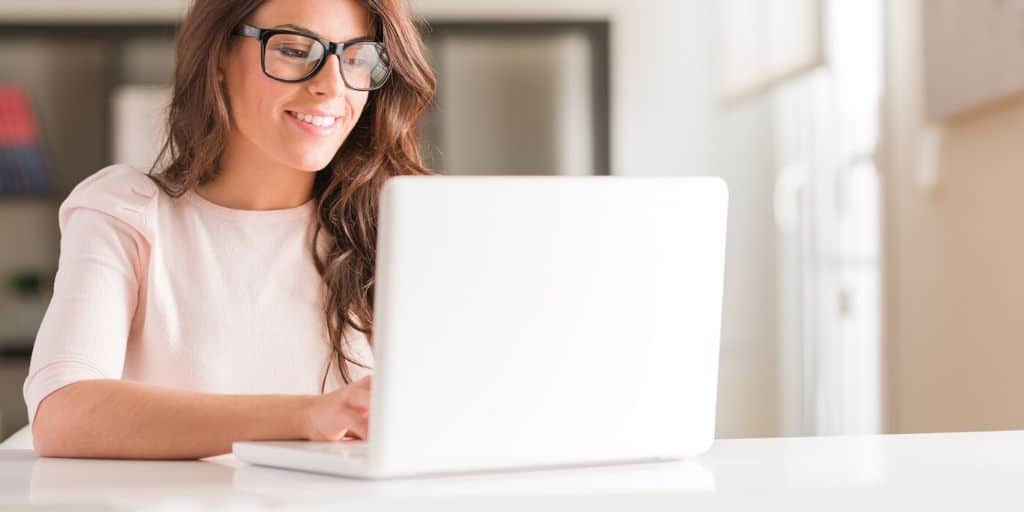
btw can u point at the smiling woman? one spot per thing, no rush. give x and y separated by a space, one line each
228 296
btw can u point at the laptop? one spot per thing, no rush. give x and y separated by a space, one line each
536 322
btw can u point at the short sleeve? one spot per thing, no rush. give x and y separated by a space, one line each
105 230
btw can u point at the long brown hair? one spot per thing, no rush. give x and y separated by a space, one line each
382 144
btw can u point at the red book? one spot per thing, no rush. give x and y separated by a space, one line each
22 166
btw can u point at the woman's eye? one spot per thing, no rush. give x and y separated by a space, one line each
292 53
357 63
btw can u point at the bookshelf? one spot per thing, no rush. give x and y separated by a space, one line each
71 72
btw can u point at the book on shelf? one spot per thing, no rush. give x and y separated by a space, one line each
23 166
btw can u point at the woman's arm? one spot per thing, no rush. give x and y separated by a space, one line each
77 403
108 418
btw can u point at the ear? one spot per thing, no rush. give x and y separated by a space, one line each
225 54
220 72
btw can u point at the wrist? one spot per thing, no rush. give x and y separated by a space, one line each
306 427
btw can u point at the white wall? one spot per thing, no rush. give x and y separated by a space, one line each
14 11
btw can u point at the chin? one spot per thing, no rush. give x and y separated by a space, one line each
311 164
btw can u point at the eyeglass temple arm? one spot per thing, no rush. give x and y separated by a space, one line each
248 31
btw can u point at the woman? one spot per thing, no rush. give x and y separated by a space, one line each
229 295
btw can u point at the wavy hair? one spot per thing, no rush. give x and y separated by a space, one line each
382 144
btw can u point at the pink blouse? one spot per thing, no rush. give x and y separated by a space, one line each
183 293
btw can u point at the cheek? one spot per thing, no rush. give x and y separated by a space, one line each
357 105
252 96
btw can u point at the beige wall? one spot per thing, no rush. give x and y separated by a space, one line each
955 256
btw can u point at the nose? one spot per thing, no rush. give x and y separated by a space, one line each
327 81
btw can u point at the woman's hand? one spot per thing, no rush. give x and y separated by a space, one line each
344 411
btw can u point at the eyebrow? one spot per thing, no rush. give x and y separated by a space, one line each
308 32
299 28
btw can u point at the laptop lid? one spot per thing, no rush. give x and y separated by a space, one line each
536 321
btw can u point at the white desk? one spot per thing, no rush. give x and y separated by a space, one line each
970 471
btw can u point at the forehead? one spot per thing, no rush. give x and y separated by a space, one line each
335 20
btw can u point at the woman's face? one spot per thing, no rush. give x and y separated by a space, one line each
266 113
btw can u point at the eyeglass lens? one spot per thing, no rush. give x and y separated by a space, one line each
295 57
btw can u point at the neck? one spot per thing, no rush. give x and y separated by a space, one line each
248 180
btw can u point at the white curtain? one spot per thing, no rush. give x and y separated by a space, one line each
827 212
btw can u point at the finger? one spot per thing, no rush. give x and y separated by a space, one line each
358 398
358 426
364 382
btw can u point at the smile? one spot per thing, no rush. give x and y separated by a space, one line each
320 121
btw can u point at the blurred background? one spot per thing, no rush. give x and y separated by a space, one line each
871 149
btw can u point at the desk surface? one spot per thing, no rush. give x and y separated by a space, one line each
960 471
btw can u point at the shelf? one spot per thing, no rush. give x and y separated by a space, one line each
31 198
19 352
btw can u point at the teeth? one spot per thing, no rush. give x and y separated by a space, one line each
321 121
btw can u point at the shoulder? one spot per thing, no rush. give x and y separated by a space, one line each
121 192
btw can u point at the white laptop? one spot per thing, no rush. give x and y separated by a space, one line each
531 322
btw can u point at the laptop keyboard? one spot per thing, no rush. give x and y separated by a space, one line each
347 450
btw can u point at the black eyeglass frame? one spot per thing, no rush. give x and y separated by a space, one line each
264 35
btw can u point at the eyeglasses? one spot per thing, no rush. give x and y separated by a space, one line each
290 56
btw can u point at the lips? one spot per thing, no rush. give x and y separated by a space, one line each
321 121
